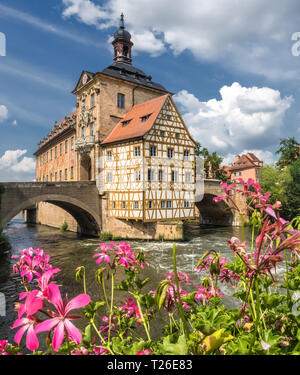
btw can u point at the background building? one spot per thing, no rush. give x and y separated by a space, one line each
245 166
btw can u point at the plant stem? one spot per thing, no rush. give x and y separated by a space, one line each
84 282
143 319
252 241
288 294
258 305
101 338
105 296
243 229
180 309
111 306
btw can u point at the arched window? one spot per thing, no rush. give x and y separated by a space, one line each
125 51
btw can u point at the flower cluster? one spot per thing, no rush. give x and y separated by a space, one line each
121 254
34 265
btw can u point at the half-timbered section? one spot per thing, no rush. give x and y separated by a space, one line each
148 164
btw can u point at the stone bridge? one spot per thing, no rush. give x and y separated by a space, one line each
219 213
80 199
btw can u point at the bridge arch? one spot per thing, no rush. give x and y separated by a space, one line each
81 200
214 213
87 220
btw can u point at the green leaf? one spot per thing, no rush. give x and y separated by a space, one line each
87 336
178 348
215 340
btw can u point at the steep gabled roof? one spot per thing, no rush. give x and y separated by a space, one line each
132 126
246 161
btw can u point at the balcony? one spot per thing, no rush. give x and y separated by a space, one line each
84 145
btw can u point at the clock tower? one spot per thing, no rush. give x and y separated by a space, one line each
122 44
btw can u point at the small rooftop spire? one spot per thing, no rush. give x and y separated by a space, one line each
122 25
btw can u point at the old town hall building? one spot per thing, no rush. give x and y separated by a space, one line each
127 135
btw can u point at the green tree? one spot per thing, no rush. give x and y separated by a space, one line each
212 163
293 189
288 150
275 181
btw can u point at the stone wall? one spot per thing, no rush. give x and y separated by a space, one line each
137 229
53 216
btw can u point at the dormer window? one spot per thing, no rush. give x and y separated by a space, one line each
125 123
145 118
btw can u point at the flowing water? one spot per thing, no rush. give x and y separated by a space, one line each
68 251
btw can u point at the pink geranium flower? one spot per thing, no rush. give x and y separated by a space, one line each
102 256
32 305
61 321
144 352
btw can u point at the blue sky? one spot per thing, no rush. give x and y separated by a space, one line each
230 67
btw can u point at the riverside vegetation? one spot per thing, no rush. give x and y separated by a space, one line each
264 277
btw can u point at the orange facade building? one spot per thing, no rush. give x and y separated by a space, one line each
56 156
245 166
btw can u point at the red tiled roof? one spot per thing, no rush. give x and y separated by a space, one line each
245 161
136 128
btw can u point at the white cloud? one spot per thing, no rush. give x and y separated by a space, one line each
15 123
15 168
84 10
25 165
254 37
3 113
244 118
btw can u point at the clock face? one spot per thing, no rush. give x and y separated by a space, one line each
84 79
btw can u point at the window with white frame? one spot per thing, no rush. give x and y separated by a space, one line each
150 175
186 204
163 204
169 204
174 177
170 153
153 150
187 177
136 205
160 175
109 177
137 151
138 175
108 155
186 154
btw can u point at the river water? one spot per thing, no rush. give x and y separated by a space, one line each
68 251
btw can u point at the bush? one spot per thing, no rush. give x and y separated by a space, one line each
64 226
105 236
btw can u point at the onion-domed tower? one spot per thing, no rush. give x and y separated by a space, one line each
122 43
